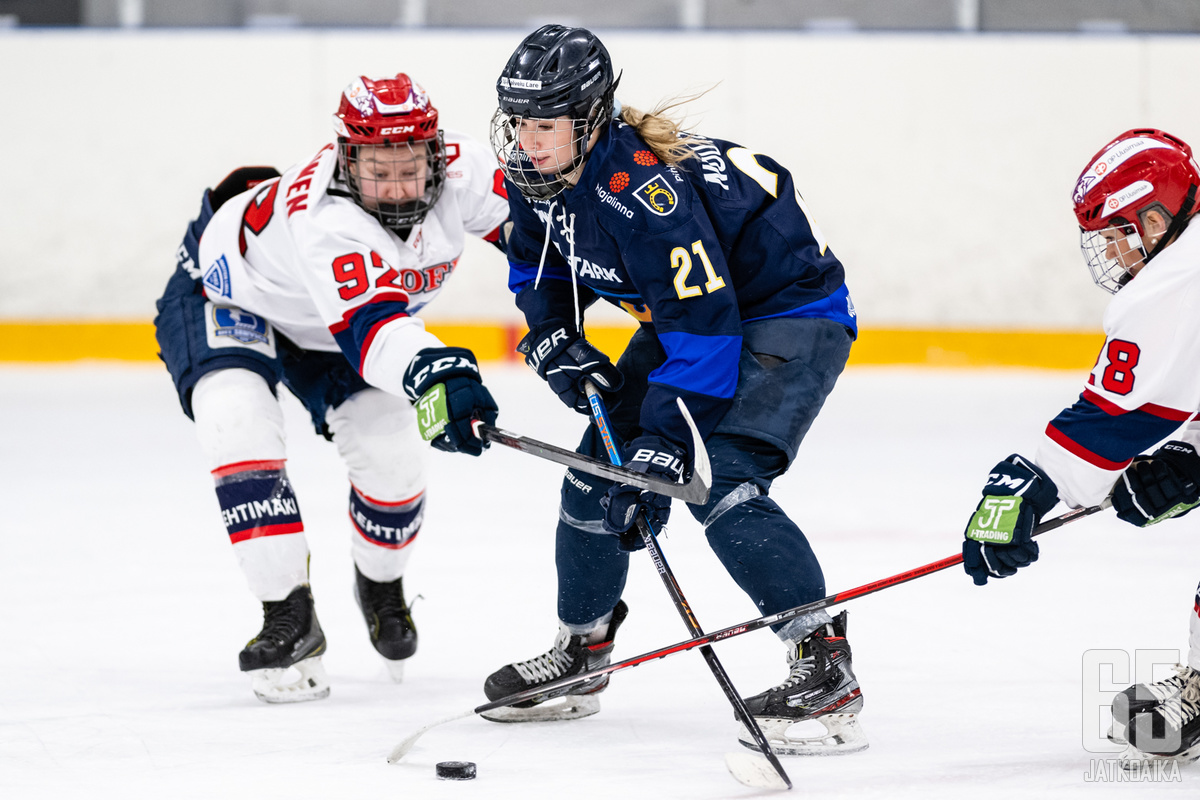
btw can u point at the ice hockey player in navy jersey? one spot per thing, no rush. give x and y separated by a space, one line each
744 314
1134 203
312 279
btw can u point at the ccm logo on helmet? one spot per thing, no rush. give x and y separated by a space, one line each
398 129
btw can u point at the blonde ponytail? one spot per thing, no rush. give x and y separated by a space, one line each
664 135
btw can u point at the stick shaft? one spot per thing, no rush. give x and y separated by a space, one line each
741 711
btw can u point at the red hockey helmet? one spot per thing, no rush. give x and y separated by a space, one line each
1141 170
391 152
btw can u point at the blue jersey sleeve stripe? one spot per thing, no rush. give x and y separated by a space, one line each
701 364
1104 438
837 307
521 275
355 333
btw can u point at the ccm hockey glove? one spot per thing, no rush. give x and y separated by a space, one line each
444 384
999 537
651 455
1162 485
561 358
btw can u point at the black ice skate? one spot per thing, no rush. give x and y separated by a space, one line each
389 621
291 636
1169 730
569 656
1142 697
820 686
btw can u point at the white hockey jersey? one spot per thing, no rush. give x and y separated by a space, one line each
1146 382
329 276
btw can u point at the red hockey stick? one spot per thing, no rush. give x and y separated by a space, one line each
736 630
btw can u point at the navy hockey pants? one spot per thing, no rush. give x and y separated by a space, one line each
787 369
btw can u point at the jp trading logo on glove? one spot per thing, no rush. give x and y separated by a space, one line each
432 416
995 520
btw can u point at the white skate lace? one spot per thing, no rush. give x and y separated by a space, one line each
549 665
1188 708
802 668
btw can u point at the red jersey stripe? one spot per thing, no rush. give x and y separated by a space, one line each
1078 450
268 530
247 466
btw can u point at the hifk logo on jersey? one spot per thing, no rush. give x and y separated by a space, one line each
217 277
657 196
241 325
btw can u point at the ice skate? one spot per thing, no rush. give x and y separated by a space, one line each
820 688
1142 697
389 621
569 656
1169 730
290 641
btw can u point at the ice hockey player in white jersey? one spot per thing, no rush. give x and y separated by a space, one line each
313 278
1134 203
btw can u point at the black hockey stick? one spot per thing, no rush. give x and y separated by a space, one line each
728 633
693 491
741 711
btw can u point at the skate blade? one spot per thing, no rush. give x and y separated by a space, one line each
395 669
571 707
270 685
843 736
1133 760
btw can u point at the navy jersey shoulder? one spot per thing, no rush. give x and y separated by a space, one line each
631 188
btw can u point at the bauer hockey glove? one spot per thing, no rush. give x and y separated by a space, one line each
1162 485
999 537
564 360
444 384
651 455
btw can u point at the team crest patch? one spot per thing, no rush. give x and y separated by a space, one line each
217 277
233 327
656 195
618 181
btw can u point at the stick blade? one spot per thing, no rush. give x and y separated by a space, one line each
754 771
701 466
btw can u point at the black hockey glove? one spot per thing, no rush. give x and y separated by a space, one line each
999 537
444 384
1162 485
646 454
561 358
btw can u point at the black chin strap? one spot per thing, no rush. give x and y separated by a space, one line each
1178 223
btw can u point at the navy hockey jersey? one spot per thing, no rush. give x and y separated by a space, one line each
694 251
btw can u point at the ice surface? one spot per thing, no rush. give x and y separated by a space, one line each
122 611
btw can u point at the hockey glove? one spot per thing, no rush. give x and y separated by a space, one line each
1162 485
999 537
651 455
444 384
561 358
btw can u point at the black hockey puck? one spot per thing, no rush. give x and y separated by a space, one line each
456 770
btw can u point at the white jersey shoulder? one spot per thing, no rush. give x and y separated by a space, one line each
301 253
1150 362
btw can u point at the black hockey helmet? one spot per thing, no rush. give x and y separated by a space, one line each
556 72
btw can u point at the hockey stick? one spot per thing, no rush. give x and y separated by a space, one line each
693 491
758 778
735 630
